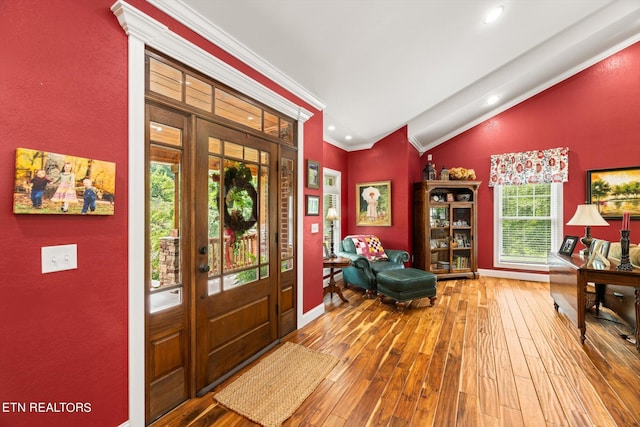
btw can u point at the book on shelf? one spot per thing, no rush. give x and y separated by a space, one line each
461 262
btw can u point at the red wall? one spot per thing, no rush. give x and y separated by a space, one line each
63 79
64 335
596 113
337 159
390 159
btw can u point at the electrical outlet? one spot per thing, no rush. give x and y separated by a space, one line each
59 258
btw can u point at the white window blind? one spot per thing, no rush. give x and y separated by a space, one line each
331 198
528 224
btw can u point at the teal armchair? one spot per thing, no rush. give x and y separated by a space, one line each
368 258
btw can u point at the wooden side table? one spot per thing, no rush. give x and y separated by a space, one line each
332 263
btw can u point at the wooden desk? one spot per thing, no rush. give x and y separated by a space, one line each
610 276
332 263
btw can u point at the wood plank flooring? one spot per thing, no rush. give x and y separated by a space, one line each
490 352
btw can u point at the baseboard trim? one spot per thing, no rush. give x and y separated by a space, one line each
518 275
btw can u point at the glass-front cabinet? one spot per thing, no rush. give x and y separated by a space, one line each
445 227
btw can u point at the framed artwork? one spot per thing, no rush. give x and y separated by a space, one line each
568 245
373 203
615 191
52 183
313 174
313 205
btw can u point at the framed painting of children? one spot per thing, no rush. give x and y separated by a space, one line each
373 203
52 183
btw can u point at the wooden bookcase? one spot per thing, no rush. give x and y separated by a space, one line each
445 227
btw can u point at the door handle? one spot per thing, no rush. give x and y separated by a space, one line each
202 250
204 268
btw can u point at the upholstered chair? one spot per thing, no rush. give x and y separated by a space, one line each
368 258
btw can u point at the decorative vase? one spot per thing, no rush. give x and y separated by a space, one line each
625 265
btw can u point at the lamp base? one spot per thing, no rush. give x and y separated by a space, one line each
586 241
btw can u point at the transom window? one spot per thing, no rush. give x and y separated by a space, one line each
183 86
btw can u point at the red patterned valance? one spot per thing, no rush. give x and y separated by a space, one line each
530 167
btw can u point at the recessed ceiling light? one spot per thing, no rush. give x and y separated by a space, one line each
348 137
493 99
493 14
331 127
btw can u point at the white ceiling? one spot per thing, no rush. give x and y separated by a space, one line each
377 65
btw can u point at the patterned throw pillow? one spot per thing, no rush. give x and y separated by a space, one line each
370 247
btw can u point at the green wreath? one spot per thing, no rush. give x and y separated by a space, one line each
236 180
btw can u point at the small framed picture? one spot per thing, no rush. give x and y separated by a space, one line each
313 205
449 197
313 174
568 245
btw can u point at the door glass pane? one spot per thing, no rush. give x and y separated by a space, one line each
264 219
240 221
165 134
215 248
233 108
233 150
286 130
287 232
270 124
165 79
164 226
198 93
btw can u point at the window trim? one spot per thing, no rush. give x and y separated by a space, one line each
334 190
556 234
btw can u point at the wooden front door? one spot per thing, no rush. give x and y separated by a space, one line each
236 285
216 273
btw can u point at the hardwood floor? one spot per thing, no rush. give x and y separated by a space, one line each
489 352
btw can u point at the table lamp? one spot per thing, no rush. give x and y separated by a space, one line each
588 216
332 215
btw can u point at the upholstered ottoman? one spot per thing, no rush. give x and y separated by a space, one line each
405 285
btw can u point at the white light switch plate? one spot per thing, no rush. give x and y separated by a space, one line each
59 258
314 228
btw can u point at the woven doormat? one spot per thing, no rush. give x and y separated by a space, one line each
271 391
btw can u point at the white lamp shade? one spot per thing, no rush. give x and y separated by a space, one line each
332 214
587 215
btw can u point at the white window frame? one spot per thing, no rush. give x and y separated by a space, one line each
556 228
334 190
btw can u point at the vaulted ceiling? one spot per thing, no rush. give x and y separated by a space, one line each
374 66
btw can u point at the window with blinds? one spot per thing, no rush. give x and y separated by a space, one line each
528 223
331 196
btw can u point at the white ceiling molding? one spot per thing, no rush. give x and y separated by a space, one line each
158 36
188 17
335 143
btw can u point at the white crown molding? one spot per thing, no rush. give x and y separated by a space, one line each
187 16
330 140
157 35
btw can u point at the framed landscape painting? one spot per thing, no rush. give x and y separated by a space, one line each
52 183
373 206
615 191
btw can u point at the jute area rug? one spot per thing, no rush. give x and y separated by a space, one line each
272 390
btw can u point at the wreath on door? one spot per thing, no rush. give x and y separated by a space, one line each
239 193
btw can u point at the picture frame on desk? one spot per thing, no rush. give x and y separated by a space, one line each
568 245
